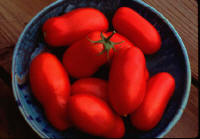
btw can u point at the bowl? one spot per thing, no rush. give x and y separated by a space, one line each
172 58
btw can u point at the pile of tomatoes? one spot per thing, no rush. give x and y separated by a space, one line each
91 104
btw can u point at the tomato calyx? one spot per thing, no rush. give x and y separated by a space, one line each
107 43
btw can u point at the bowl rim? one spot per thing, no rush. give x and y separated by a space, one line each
14 86
179 113
177 116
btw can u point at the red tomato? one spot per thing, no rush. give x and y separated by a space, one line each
137 29
123 41
84 57
118 130
57 114
160 88
93 86
127 80
72 26
90 114
51 87
98 88
147 74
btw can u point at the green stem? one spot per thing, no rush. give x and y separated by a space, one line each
107 43
109 37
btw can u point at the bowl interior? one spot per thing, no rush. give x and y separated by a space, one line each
171 58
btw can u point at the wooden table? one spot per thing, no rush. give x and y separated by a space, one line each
15 14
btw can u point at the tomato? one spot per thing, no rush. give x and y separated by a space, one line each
84 57
72 26
118 130
121 41
98 88
127 80
93 86
159 90
147 74
137 29
90 114
50 85
57 114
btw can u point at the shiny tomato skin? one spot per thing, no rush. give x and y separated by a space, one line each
147 74
137 29
92 86
160 88
90 114
118 130
65 29
126 83
82 59
125 43
57 114
50 85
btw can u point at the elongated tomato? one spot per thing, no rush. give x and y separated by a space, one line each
72 26
82 58
90 114
137 29
118 130
159 90
51 87
147 74
98 87
93 86
127 80
123 41
85 56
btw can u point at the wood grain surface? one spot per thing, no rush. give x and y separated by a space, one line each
15 14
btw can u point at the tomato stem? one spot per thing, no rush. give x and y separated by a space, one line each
107 43
109 37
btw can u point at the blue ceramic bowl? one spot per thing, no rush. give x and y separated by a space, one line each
172 58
